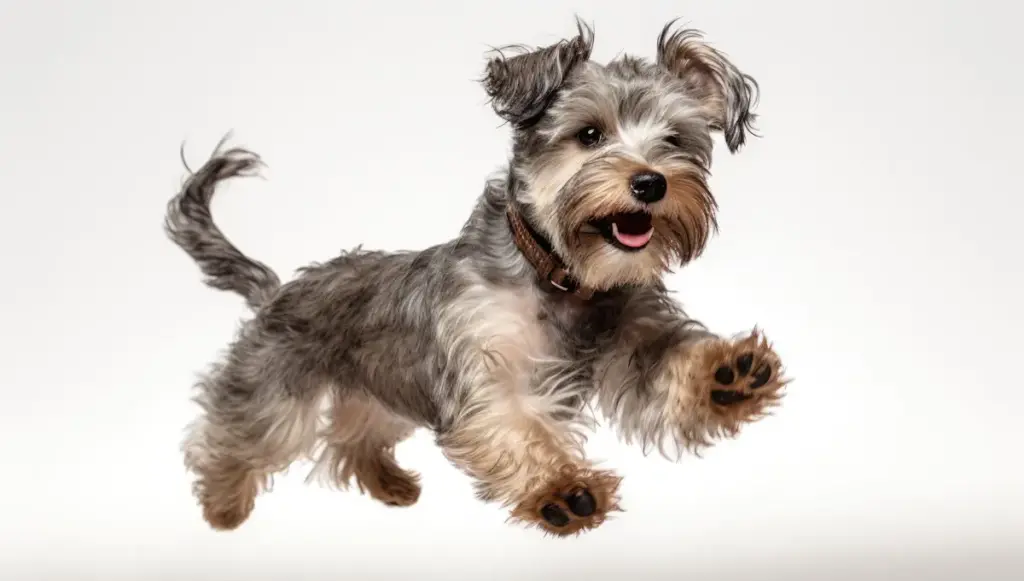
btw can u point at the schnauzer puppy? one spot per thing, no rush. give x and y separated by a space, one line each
547 311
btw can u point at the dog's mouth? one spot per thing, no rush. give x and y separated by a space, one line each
629 231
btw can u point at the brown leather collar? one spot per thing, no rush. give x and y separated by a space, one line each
538 252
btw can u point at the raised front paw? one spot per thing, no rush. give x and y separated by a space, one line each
740 378
577 500
735 381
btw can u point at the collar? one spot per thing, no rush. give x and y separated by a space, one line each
539 253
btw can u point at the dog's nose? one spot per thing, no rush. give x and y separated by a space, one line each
648 186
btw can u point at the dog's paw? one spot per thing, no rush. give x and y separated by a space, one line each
577 500
739 379
399 489
389 483
229 516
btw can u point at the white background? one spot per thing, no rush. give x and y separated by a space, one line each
873 232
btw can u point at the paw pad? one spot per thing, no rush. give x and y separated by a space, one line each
728 396
554 515
724 375
575 500
761 376
736 374
580 503
744 363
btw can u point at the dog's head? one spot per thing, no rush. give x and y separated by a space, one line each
611 161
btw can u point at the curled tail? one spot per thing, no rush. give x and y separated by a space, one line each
190 226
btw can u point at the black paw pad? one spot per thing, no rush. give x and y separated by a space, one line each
761 376
724 375
744 363
554 515
728 396
581 503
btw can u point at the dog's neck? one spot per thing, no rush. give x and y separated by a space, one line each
539 253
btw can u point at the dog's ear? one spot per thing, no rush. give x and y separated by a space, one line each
728 95
522 86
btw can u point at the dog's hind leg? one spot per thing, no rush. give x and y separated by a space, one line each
252 426
359 443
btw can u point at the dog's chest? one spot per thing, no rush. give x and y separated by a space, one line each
521 327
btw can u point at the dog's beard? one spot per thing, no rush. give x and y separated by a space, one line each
609 239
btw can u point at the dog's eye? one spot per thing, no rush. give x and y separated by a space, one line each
674 141
589 136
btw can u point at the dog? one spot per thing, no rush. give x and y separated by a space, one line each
547 312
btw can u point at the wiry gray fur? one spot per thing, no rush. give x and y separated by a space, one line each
369 318
371 322
709 74
522 81
190 225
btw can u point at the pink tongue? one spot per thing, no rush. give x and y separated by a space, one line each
632 240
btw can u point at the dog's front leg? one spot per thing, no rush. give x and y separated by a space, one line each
523 457
665 381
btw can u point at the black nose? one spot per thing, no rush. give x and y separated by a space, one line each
648 186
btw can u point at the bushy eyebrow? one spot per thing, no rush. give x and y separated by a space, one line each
611 103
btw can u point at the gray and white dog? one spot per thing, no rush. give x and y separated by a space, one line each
549 304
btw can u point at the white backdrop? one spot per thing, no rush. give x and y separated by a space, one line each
874 232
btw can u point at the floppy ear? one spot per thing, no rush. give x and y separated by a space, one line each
728 94
522 86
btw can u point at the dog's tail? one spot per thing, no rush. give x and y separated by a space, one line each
190 226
